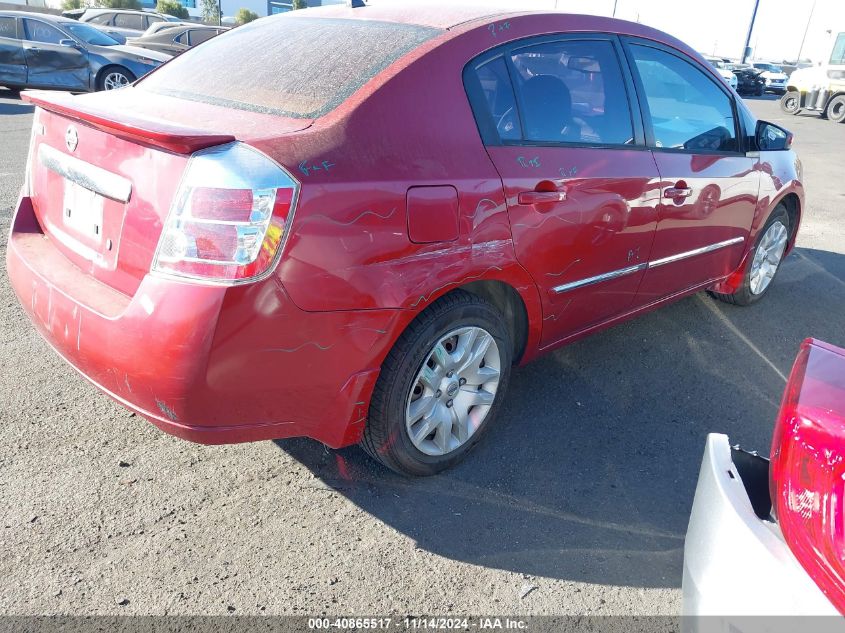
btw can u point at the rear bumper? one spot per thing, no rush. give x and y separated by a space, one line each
736 564
207 364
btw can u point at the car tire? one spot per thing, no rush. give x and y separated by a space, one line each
766 260
759 91
791 102
113 77
428 365
836 109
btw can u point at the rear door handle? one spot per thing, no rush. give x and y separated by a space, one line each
539 197
677 192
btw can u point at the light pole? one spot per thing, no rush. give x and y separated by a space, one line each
804 39
750 29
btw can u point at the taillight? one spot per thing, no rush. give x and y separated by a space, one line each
807 471
229 219
37 129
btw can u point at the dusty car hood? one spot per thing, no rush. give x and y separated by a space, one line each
137 51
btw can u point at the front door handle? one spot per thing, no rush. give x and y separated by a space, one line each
677 192
540 197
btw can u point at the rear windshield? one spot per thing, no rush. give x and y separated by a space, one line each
292 66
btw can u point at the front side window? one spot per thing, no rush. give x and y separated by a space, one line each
837 58
687 109
89 34
572 91
40 32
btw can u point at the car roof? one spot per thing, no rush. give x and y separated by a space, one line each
445 15
47 17
98 10
431 14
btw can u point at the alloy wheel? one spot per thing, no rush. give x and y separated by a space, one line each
115 80
767 258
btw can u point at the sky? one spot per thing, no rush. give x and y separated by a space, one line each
719 27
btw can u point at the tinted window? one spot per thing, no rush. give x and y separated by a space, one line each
129 21
498 95
40 32
201 35
182 38
838 56
153 19
298 67
572 91
104 18
7 28
688 109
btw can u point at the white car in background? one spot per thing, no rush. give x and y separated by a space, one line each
719 64
773 74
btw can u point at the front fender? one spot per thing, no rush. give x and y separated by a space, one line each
781 180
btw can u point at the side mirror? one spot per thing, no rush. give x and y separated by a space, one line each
772 138
68 43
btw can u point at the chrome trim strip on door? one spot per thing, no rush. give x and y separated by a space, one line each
698 251
589 281
84 174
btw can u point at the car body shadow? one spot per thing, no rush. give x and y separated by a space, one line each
589 472
13 103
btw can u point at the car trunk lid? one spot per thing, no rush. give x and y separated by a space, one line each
104 170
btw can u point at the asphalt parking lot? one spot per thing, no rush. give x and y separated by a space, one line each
576 502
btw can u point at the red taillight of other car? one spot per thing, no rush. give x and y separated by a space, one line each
807 471
229 219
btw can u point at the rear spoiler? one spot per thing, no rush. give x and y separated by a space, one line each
155 132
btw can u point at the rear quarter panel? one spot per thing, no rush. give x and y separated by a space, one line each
349 247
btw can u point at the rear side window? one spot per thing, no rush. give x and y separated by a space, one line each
7 28
572 91
130 21
499 98
40 32
200 35
688 110
104 18
297 67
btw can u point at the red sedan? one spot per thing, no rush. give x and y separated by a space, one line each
349 223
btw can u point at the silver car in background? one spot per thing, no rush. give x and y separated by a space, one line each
124 23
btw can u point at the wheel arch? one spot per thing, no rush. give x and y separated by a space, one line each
793 209
509 302
107 67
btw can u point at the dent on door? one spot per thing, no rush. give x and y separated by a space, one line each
706 210
588 248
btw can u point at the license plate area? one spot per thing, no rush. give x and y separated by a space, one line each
82 211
